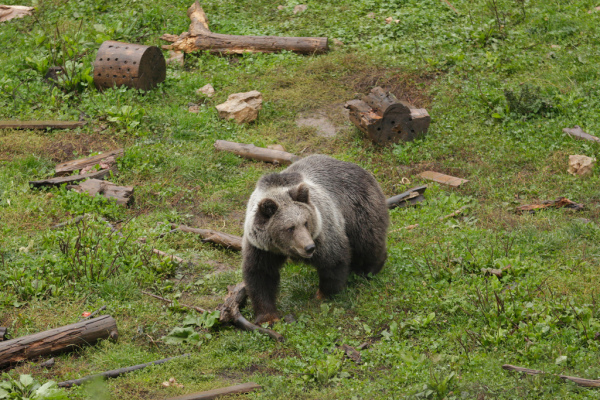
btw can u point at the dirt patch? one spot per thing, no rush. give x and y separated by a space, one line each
327 121
59 147
404 85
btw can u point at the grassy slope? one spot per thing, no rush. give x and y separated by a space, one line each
447 327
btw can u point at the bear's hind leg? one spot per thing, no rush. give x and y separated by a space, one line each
261 275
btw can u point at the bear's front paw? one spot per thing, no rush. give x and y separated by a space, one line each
270 318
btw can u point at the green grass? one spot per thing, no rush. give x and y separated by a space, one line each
441 327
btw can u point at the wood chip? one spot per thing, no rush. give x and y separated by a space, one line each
441 178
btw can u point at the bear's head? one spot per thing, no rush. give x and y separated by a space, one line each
290 222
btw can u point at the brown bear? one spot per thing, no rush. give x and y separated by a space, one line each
331 214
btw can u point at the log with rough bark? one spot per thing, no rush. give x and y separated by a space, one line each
70 179
41 124
121 194
208 235
115 372
252 152
69 167
200 37
410 197
577 380
230 312
213 394
385 119
57 340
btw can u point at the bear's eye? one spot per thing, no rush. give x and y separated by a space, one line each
291 229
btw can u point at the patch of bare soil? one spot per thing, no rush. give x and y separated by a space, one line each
327 121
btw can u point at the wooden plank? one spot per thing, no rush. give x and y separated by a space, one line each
70 179
441 178
75 165
41 124
213 394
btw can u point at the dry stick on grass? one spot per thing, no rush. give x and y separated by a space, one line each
172 257
253 152
213 394
208 235
57 340
451 6
578 381
454 214
41 124
115 372
230 312
200 37
198 309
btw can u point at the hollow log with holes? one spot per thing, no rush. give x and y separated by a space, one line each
200 37
57 340
385 119
132 65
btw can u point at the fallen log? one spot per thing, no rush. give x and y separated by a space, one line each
121 194
558 203
230 312
574 379
201 38
252 152
68 167
410 197
3 333
578 133
9 12
385 119
115 372
41 124
208 235
213 394
57 340
441 178
70 179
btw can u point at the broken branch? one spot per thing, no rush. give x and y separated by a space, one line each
410 197
578 381
253 152
208 235
213 394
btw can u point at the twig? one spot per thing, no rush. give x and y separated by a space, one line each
451 6
578 381
198 309
454 214
115 372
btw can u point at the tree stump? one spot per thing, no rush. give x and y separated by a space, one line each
133 65
385 119
57 340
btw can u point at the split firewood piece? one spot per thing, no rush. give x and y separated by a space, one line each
68 167
410 197
40 124
574 379
213 394
558 203
122 194
3 333
208 235
200 37
57 340
351 353
385 119
578 133
252 152
115 372
70 179
441 178
230 312
198 309
9 12
241 107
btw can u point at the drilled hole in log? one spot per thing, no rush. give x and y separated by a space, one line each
114 76
100 59
378 129
135 62
123 76
124 62
109 46
128 69
117 59
108 59
393 122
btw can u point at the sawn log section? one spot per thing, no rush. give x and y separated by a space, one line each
57 340
200 37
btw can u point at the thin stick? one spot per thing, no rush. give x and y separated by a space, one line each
451 6
454 214
198 309
115 372
578 381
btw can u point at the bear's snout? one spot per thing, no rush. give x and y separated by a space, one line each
310 249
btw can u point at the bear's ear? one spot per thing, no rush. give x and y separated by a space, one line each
267 207
300 193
